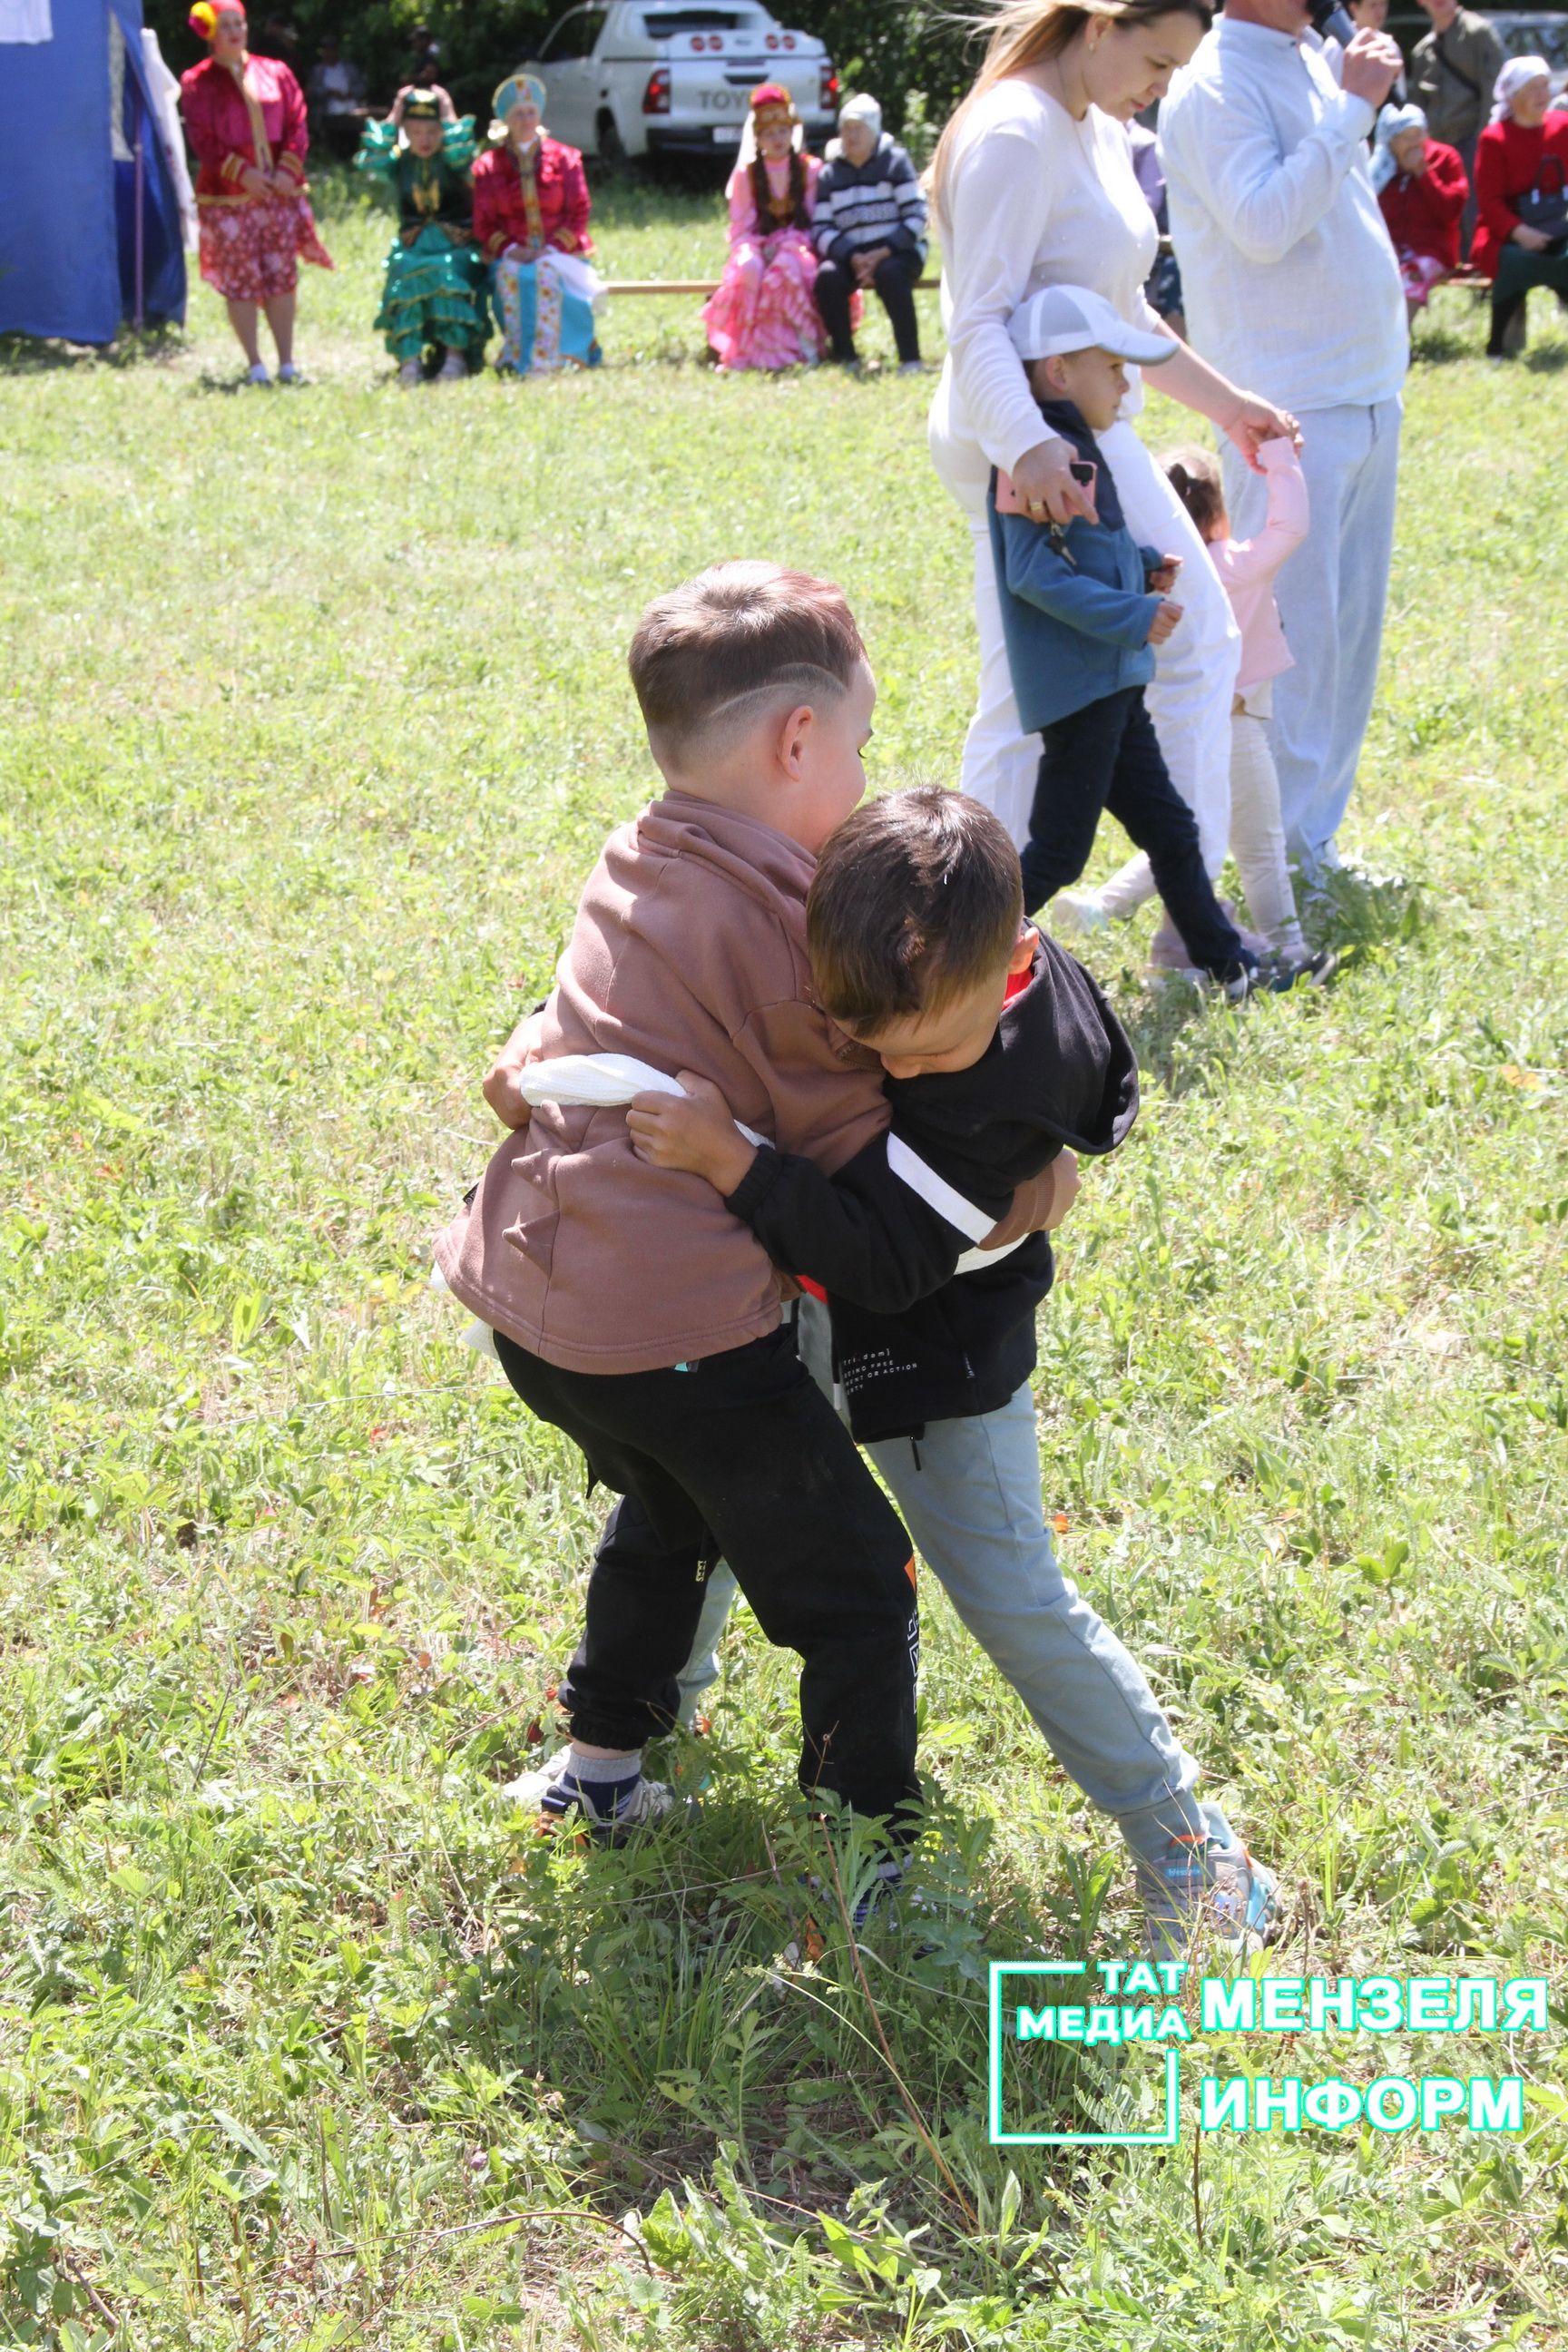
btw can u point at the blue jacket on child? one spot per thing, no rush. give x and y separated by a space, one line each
1075 611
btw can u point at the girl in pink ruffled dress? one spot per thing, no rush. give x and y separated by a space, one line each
763 313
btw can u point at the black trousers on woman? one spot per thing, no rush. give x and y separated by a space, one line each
739 1456
1107 756
1518 271
893 281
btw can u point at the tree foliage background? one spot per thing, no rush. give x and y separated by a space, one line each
893 47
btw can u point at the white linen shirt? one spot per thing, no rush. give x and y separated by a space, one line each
1034 197
1290 283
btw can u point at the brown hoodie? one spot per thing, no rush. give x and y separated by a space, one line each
687 951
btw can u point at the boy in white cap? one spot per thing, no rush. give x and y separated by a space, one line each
1082 610
870 231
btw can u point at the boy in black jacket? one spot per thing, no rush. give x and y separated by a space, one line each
1001 1056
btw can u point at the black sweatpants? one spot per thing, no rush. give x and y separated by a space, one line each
1107 756
739 1456
893 281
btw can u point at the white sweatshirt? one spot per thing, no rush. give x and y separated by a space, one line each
1288 279
1033 198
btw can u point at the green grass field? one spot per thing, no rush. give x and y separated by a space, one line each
312 717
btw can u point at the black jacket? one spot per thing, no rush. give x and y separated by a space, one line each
915 1339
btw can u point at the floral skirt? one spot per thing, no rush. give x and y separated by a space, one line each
546 311
434 292
250 252
1419 272
763 313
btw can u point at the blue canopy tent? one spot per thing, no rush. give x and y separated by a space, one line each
89 216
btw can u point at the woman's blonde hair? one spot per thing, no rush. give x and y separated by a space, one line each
1026 32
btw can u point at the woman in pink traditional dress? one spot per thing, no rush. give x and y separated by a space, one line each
245 118
761 314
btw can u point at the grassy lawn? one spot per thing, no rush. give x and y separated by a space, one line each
313 719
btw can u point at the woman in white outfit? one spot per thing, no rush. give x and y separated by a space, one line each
1033 186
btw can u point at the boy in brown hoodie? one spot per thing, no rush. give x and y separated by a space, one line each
630 1309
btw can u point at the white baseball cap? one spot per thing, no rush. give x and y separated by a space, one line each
1072 319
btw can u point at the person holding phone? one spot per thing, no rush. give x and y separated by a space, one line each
1033 186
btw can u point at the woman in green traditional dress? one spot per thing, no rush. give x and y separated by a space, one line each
435 285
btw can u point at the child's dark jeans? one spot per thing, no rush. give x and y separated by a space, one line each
1107 756
740 1455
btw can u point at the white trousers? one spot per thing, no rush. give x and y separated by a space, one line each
1196 673
1257 830
1331 594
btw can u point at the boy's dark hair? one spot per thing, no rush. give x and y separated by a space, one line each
1194 474
707 658
916 897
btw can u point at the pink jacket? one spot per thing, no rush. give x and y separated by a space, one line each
1249 567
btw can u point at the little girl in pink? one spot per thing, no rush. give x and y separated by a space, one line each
764 314
1247 570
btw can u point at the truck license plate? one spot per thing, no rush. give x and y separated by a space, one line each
726 134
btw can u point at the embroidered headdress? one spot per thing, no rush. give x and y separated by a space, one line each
203 19
771 102
518 90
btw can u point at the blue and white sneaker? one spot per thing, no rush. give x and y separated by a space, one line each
1206 1893
610 1810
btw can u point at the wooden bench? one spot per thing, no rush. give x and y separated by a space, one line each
707 285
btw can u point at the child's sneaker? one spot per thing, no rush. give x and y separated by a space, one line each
256 372
411 374
1284 972
1078 910
454 368
610 1809
1203 1892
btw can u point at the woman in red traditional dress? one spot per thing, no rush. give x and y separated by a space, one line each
245 118
763 313
531 223
1522 197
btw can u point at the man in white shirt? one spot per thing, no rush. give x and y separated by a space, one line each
1292 285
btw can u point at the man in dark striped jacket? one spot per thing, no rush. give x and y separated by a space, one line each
868 229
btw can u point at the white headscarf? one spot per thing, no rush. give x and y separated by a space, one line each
1516 74
1392 124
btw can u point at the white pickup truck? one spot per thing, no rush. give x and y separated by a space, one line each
663 78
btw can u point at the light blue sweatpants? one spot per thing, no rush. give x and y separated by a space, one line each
970 1495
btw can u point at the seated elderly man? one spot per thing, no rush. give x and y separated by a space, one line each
868 230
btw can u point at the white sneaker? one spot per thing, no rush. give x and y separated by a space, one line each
410 373
1078 910
556 1793
454 368
258 374
290 373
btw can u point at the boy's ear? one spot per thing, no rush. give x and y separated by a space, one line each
1023 955
1056 371
790 741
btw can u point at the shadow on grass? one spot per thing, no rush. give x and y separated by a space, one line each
45 355
702 1989
1183 1036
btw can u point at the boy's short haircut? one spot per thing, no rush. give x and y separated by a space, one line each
1194 474
708 658
916 897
